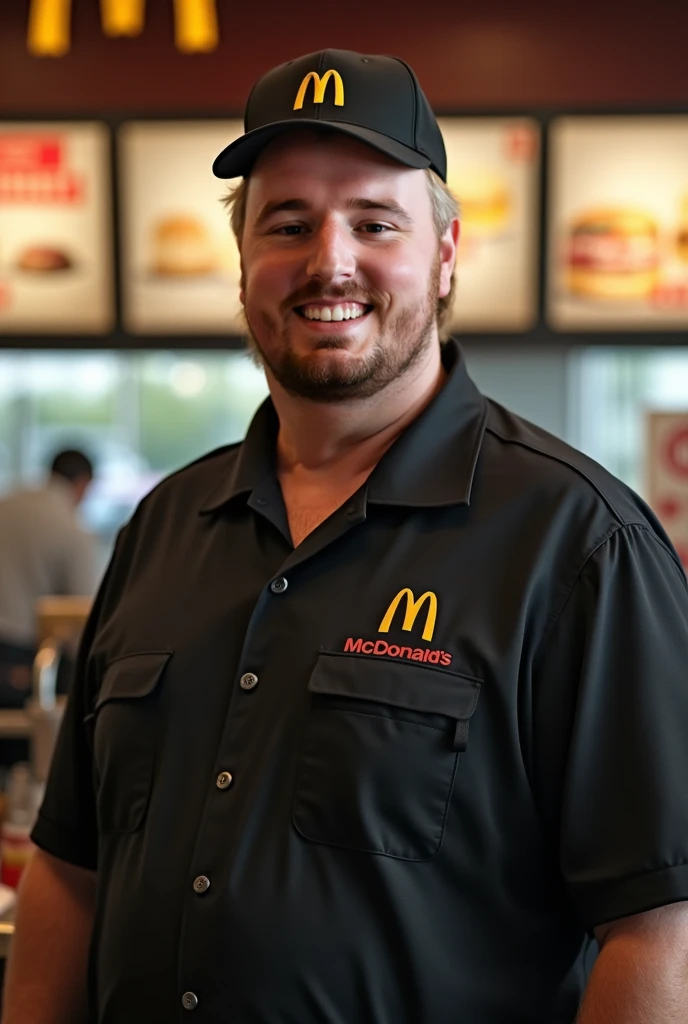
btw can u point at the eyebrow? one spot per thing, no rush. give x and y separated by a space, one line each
362 203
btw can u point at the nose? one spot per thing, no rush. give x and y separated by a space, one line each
331 257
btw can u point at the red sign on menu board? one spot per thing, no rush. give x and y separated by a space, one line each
33 170
30 154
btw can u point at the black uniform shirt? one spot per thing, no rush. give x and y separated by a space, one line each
392 776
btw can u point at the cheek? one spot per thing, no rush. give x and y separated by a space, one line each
267 279
403 276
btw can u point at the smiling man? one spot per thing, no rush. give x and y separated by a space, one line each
380 716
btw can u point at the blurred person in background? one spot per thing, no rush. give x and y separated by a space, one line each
43 551
380 716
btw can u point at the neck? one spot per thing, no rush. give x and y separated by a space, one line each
349 438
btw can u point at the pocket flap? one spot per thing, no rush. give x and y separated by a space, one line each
406 685
134 675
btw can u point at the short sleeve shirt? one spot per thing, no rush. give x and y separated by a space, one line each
397 773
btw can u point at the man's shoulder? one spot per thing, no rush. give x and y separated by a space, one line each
188 488
27 504
193 484
539 459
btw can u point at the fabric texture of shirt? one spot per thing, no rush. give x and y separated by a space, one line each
395 775
43 551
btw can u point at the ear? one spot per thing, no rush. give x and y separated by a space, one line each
242 284
448 246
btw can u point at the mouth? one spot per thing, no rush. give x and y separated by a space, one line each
328 313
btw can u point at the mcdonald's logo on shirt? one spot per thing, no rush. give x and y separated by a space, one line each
413 607
319 87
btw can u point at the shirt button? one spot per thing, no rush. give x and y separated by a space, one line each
279 585
224 780
201 884
189 1000
248 681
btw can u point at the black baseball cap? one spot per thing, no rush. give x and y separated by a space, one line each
373 98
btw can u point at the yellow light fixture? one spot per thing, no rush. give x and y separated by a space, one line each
49 24
122 17
196 28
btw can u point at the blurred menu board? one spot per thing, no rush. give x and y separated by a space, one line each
180 264
494 170
55 228
619 223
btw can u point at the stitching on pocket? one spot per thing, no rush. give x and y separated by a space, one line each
381 718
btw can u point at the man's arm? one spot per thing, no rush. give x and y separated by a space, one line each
641 973
46 971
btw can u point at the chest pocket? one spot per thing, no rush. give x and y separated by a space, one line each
125 728
379 755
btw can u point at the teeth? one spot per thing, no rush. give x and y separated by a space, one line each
329 313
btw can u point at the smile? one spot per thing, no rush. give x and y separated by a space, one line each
327 314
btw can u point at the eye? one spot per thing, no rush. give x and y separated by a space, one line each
289 229
375 228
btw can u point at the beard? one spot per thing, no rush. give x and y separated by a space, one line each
398 347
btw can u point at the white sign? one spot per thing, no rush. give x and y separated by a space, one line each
493 168
55 228
667 475
180 264
618 223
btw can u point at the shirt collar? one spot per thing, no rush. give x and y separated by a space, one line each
431 464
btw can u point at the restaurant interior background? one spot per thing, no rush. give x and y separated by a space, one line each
553 113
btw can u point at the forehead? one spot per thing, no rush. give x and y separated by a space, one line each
303 163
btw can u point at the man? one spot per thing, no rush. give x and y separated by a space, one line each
43 551
380 716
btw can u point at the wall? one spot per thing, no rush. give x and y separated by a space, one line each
496 53
531 382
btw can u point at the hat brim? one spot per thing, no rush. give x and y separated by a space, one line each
239 157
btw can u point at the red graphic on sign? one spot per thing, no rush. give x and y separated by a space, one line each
672 295
668 508
521 143
30 154
33 170
62 188
676 452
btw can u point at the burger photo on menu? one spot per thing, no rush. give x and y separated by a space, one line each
613 253
182 246
485 200
45 259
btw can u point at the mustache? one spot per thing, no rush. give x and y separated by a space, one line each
347 292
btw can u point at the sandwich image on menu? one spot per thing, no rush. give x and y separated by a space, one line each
485 200
45 259
182 246
613 254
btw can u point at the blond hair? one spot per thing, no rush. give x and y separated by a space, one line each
445 208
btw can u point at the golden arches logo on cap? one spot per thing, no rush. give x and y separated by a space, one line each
319 87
